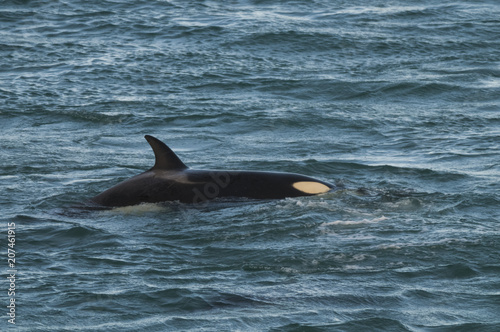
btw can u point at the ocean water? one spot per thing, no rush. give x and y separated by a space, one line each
396 102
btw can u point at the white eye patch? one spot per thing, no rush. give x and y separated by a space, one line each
310 187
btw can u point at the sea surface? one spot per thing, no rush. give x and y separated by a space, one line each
395 102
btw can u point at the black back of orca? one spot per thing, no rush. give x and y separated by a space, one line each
171 180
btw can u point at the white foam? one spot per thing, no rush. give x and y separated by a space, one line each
393 246
354 222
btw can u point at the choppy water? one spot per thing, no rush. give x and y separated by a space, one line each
397 101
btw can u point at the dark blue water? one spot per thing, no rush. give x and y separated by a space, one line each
397 102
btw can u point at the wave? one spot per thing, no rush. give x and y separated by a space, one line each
381 324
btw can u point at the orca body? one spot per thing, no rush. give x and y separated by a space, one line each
171 180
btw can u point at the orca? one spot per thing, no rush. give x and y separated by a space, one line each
171 180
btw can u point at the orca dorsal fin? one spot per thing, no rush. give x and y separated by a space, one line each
166 159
